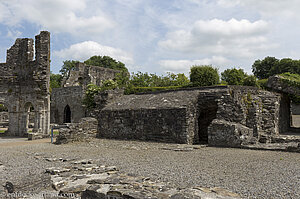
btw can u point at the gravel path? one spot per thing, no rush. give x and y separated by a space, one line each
251 173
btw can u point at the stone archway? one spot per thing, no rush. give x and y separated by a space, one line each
67 114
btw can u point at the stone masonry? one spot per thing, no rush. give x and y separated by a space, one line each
66 102
24 83
84 130
220 116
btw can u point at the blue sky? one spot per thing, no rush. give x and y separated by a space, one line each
157 36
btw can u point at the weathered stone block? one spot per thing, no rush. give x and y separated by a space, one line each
82 131
228 134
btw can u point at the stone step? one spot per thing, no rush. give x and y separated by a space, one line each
285 139
290 147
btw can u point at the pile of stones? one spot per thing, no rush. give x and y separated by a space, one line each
85 179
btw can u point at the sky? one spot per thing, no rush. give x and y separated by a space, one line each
157 36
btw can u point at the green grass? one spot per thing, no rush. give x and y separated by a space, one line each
291 76
55 132
292 80
2 131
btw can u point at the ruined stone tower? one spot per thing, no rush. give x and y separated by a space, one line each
24 84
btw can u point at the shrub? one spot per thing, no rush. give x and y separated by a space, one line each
90 93
233 76
133 90
204 75
250 80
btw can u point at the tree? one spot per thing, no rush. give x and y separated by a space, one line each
286 65
250 80
233 76
106 62
67 67
262 69
204 75
55 81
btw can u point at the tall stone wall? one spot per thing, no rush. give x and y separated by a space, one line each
24 82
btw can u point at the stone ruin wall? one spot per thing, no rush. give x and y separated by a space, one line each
236 116
84 74
60 98
73 90
84 130
164 117
25 82
245 115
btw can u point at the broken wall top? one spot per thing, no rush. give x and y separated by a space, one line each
22 69
83 74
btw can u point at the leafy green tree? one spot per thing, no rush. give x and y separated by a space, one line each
204 75
122 79
109 85
106 62
55 81
67 67
90 93
140 79
262 69
250 80
286 65
269 66
233 76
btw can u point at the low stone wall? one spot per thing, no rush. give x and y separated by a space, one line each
82 131
165 125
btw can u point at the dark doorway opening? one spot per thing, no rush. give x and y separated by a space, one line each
207 114
67 114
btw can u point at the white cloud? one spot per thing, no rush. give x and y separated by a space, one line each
268 8
183 66
231 38
56 15
13 34
84 50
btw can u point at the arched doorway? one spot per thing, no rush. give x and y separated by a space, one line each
67 114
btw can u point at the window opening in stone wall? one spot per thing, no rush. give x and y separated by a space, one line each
4 118
207 114
67 114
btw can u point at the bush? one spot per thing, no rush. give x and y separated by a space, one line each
90 93
250 80
204 75
108 85
262 83
133 90
233 76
